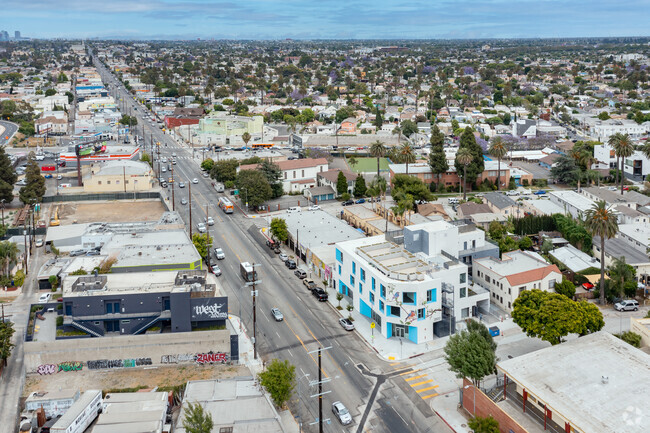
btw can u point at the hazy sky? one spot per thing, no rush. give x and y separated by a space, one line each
318 19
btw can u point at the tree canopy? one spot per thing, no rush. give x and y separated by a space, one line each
471 353
253 187
197 420
279 229
34 191
476 166
279 380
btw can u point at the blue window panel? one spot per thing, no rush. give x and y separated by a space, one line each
381 306
413 334
339 269
354 268
371 297
360 288
365 309
382 291
343 288
362 274
432 295
373 283
339 256
352 281
389 330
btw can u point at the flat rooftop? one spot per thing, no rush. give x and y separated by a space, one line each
574 259
236 403
144 248
394 261
513 262
315 228
545 206
639 232
133 412
574 199
568 377
619 248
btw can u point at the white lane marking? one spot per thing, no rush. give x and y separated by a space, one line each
291 354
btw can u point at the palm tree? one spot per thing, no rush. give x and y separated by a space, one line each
465 158
613 142
408 205
624 149
8 253
352 161
397 131
646 150
406 155
620 272
601 221
498 150
378 150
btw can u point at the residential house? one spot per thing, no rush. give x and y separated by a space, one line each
502 204
470 208
330 178
297 174
318 194
516 271
348 126
574 204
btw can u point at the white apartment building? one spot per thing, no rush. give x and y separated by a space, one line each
416 291
637 236
574 204
298 174
515 272
602 130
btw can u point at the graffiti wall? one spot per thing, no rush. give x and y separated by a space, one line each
199 358
62 366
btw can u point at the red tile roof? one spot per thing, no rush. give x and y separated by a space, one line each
532 275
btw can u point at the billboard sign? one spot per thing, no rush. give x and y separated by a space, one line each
204 309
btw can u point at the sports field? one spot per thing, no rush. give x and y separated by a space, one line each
369 165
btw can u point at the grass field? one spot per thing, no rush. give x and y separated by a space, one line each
369 165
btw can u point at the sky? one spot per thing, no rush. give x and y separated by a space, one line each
324 19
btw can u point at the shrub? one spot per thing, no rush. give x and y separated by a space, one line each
631 338
345 196
19 278
59 321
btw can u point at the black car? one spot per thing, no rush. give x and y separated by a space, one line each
320 294
347 203
291 264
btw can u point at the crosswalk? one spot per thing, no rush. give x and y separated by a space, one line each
421 383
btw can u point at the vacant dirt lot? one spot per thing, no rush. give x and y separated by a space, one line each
114 211
149 377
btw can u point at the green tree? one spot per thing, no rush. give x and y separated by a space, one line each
8 253
34 191
254 186
565 170
409 128
50 92
566 288
470 355
624 149
360 186
7 177
197 420
464 158
341 184
279 229
379 121
273 175
378 150
246 137
6 346
343 113
404 185
525 243
604 115
437 158
602 222
352 161
631 338
202 243
476 165
621 276
224 170
279 380
207 165
404 154
484 425
551 316
498 150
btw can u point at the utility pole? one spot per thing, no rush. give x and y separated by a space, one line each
207 230
320 392
254 315
173 197
190 191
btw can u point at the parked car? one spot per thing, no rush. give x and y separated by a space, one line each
361 200
346 324
512 192
347 203
300 273
218 252
320 294
45 297
92 253
271 243
341 412
284 257
216 270
289 263
313 207
294 209
201 228
277 314
540 192
627 305
309 283
75 253
39 242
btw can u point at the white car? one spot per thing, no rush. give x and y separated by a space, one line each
45 297
39 243
346 324
283 257
341 413
512 192
216 270
219 253
195 180
201 228
277 314
210 221
313 207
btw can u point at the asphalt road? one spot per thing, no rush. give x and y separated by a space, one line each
308 324
8 133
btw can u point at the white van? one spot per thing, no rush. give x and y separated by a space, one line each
294 209
454 200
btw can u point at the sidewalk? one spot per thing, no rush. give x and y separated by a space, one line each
245 346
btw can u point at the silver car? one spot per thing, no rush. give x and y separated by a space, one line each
277 314
346 324
219 253
341 413
216 270
201 228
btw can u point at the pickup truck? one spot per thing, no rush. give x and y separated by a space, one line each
320 294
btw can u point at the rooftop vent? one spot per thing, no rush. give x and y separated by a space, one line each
604 380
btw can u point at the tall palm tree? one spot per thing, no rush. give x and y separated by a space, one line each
620 272
624 149
613 142
498 150
601 221
646 150
406 155
465 158
8 253
378 150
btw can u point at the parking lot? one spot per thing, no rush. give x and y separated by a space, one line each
534 168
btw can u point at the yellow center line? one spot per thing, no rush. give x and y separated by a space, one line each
394 363
409 372
314 337
415 377
421 383
304 347
426 389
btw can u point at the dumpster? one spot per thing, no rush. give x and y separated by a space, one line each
494 331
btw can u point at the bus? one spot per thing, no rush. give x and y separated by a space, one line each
247 272
262 145
225 205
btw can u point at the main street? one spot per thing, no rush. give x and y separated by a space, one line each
350 369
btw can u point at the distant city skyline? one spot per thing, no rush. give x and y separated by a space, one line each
332 19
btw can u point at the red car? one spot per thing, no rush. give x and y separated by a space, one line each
587 286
